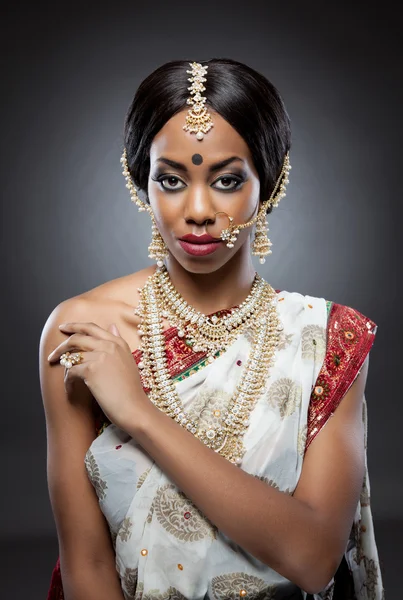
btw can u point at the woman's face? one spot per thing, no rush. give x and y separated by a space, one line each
187 187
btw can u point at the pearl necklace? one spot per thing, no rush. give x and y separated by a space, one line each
201 332
226 439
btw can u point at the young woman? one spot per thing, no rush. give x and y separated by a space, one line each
188 455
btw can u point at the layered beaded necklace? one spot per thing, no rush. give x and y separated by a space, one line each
207 333
258 313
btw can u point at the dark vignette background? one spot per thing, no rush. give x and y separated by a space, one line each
69 72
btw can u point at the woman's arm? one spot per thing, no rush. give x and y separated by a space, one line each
303 536
87 558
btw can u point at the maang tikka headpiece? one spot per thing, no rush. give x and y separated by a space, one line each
198 119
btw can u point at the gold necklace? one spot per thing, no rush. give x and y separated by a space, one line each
202 332
226 439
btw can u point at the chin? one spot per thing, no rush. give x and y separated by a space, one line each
202 265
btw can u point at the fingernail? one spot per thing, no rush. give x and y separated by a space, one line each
62 325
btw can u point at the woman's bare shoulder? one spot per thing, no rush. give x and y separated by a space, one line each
110 302
120 291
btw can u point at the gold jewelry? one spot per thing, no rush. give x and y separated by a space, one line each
225 439
68 360
198 119
261 244
157 248
201 332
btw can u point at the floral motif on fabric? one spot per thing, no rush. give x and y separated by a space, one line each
180 517
125 531
356 542
371 580
327 594
232 586
350 336
286 395
129 582
142 478
284 341
313 340
209 407
113 535
364 497
170 593
94 475
302 433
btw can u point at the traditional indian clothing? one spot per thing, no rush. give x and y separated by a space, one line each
165 547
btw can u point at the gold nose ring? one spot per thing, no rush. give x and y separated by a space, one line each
229 234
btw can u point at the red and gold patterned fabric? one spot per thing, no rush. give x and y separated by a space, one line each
350 336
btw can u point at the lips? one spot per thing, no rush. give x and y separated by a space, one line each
199 245
198 239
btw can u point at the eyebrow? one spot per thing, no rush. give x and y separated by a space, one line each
214 167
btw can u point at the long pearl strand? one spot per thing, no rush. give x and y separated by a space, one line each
227 437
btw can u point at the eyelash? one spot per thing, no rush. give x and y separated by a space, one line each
239 181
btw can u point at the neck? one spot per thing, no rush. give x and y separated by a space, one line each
210 292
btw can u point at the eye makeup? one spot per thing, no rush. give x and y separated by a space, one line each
238 177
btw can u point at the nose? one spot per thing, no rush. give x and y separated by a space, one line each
199 208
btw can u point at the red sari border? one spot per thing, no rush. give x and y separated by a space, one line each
350 336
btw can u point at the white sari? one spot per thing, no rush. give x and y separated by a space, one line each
165 547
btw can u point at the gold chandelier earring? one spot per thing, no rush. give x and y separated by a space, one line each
261 243
157 249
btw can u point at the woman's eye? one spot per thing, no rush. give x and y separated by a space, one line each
172 182
229 182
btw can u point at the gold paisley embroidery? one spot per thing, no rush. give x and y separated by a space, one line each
286 395
113 537
284 341
154 594
328 593
355 542
129 582
150 513
170 508
139 591
93 473
372 577
301 443
142 478
206 403
313 339
229 586
364 496
125 531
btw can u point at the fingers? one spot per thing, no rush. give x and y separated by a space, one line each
78 371
90 329
74 343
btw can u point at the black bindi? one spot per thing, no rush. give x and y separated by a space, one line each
197 159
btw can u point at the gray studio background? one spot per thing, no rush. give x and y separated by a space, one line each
69 225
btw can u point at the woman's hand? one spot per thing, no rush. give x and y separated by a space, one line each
108 369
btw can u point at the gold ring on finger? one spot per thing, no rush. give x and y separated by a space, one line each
69 359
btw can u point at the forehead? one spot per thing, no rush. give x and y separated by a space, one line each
220 142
